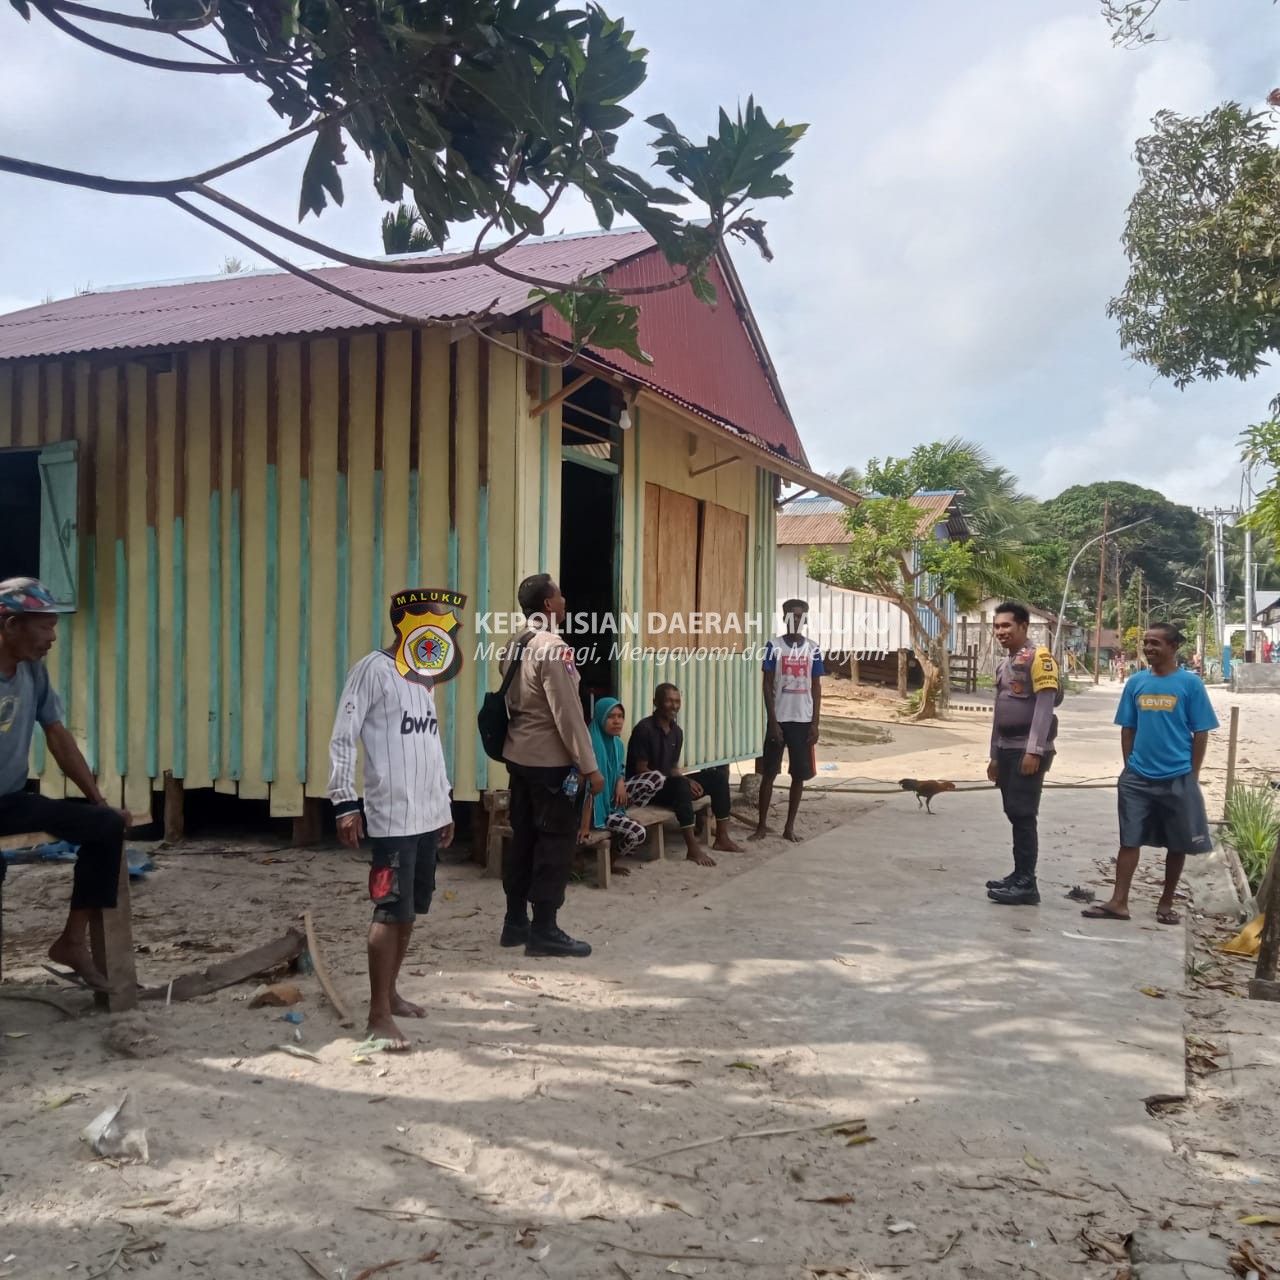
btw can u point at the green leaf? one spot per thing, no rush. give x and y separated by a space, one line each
321 171
703 289
22 7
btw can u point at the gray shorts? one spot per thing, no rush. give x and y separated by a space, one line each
1162 813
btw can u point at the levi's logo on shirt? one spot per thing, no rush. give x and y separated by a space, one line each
1157 701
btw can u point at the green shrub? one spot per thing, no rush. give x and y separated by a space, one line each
1253 825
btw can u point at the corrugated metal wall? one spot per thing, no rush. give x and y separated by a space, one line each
246 511
723 712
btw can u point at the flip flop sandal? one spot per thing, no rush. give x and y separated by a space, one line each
71 978
1168 917
1101 913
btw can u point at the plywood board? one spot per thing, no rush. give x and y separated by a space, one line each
722 559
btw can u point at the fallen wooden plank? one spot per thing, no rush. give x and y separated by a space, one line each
322 973
227 973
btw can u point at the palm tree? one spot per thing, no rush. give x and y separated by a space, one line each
1002 519
402 231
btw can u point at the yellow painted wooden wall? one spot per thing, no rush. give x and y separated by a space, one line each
245 513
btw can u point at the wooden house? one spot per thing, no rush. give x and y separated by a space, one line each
857 624
229 477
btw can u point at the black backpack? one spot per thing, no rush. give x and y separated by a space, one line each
493 717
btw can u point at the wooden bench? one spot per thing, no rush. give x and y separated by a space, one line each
651 817
110 933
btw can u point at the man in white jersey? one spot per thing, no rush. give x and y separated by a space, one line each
792 702
406 814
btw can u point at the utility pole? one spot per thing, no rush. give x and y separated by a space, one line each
1119 599
1220 516
1102 579
1248 594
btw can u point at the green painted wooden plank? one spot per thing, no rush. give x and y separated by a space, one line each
481 606
343 591
450 699
235 649
415 530
122 660
153 654
304 634
379 573
215 634
569 454
270 640
544 470
179 662
90 615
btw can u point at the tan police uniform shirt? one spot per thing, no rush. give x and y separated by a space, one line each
547 727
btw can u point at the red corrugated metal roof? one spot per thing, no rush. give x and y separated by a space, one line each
273 304
707 359
710 360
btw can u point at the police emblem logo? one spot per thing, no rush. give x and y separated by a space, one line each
427 622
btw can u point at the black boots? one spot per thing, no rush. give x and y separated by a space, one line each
553 941
1003 884
546 938
515 933
1021 891
515 925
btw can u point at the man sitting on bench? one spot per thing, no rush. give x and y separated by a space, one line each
28 626
655 744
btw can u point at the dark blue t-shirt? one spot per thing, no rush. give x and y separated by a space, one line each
1164 712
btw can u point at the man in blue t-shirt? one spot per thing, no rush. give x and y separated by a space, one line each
1165 717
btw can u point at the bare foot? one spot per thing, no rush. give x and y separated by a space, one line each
617 869
724 844
79 960
386 1029
789 834
760 833
403 1008
701 857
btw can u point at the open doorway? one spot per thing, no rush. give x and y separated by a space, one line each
588 562
19 513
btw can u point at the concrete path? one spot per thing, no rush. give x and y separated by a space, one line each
980 1043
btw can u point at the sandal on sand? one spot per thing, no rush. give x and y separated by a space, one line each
1168 917
1102 913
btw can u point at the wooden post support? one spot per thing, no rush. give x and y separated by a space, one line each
309 829
853 669
902 673
111 942
175 826
1264 985
1232 736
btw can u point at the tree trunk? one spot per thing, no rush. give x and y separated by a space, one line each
931 687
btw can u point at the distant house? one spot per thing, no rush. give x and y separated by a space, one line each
229 477
975 629
857 623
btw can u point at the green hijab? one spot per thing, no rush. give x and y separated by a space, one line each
610 759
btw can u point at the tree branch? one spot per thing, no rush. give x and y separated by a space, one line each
51 14
302 273
163 26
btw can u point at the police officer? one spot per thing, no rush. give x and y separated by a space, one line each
549 756
1024 727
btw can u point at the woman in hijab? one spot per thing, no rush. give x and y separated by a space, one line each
608 810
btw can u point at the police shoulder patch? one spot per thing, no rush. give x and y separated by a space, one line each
1044 671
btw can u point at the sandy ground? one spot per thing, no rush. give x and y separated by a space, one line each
719 1002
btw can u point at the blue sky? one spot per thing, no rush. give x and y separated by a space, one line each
943 268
